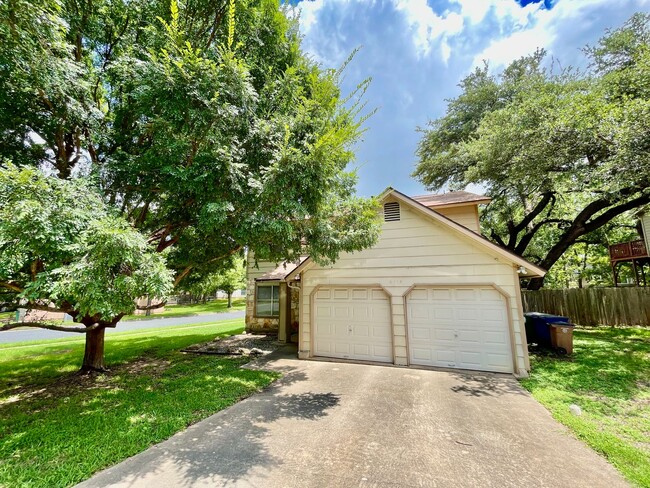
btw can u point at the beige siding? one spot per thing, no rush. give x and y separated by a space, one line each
466 215
645 224
254 324
415 250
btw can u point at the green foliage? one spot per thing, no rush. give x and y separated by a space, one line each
561 154
607 378
61 245
227 280
203 125
87 424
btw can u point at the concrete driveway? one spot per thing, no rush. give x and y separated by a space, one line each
331 424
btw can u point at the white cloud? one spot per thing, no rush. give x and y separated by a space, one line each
426 26
528 28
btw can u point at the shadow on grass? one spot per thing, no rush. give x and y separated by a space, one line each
53 365
607 362
60 428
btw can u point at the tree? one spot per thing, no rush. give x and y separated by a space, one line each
230 278
62 249
203 124
561 154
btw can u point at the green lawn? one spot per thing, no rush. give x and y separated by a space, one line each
609 378
215 306
58 428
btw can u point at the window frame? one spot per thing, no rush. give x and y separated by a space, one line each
271 300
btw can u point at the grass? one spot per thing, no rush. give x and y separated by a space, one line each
609 378
58 428
215 306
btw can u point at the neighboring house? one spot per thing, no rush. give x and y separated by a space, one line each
634 252
431 292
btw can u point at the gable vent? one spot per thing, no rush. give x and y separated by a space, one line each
391 212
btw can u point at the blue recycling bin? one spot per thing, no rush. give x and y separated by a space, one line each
538 327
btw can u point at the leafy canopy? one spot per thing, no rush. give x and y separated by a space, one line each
62 247
562 154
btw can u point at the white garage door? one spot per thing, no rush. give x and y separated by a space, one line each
352 323
459 328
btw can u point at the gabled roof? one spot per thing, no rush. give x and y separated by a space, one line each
451 199
280 273
531 270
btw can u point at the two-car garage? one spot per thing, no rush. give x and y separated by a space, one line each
464 327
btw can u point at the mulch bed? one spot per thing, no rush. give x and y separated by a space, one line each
238 345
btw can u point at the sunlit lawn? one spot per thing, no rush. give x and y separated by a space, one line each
58 428
215 306
609 378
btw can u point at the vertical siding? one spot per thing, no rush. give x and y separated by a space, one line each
414 250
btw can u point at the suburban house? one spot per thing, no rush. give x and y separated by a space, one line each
431 292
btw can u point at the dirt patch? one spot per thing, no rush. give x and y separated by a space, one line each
238 345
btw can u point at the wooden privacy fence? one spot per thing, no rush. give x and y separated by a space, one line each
593 306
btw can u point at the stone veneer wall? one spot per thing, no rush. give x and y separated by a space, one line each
266 325
294 295
254 324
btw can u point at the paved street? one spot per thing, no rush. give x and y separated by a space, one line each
21 335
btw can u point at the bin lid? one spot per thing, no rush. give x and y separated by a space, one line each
561 324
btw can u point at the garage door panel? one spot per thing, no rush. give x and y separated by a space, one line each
381 332
469 338
323 312
421 334
341 312
360 331
438 294
441 335
445 358
459 327
357 325
465 294
337 330
499 362
360 294
361 312
469 314
443 313
495 338
341 293
421 354
468 358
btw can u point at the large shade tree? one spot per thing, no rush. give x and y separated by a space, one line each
202 124
562 154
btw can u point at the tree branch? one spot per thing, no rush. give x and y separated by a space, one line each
45 325
615 211
11 286
151 307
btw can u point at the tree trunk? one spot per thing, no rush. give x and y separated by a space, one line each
229 299
94 354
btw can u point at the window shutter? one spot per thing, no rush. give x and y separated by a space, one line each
391 212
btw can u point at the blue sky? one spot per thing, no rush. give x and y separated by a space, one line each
416 52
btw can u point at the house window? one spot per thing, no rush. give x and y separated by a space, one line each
391 212
267 301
